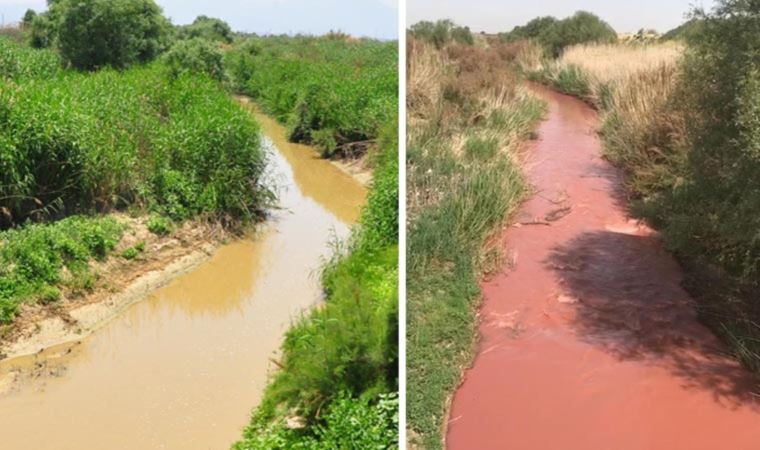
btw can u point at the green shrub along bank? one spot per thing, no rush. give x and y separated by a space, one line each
93 142
711 215
32 259
332 91
556 35
339 370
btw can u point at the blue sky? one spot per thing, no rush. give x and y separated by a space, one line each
502 15
373 18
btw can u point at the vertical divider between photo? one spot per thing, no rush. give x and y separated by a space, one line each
402 219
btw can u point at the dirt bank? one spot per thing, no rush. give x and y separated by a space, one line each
587 340
120 283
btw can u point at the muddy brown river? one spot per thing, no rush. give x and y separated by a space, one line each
588 341
183 368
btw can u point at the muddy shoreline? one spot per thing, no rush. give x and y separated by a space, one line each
120 284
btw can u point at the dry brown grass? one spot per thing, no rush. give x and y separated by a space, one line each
616 63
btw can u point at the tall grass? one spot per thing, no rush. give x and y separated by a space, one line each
594 72
467 120
93 142
333 91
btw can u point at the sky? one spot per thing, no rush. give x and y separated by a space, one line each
502 15
371 18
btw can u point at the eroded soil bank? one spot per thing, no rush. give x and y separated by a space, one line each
588 341
183 368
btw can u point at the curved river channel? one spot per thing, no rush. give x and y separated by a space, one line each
587 340
183 368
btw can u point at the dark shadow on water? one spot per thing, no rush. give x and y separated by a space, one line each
632 305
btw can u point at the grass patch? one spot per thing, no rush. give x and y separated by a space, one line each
134 251
36 259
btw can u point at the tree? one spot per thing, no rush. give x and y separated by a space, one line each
582 27
207 28
97 33
29 16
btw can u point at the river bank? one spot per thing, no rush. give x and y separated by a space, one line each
200 347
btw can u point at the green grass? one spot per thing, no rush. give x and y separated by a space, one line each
329 90
134 251
78 143
33 259
468 196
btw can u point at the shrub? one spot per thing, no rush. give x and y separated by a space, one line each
92 34
160 226
32 259
134 251
195 56
441 33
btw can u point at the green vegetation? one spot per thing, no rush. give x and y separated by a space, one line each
556 35
332 91
93 142
160 226
134 251
91 34
467 118
709 215
207 28
339 369
195 56
441 32
33 259
685 31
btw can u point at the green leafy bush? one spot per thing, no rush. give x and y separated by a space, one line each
134 251
195 56
91 34
160 226
32 259
349 424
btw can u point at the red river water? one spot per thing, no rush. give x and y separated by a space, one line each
587 340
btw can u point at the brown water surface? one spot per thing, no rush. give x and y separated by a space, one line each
589 342
183 368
